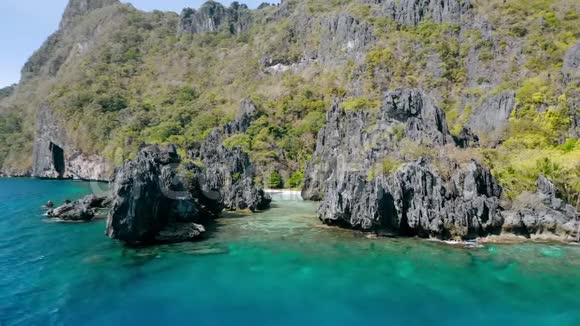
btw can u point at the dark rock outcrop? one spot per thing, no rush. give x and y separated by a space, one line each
413 12
80 210
466 138
74 211
151 203
230 170
214 17
355 141
543 215
359 171
417 201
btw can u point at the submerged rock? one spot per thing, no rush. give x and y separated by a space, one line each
48 205
179 232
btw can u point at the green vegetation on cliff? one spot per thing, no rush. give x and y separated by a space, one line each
119 77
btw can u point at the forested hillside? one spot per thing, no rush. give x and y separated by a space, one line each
506 74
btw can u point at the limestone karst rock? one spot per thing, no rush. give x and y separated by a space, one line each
213 17
150 201
417 201
230 170
543 215
356 140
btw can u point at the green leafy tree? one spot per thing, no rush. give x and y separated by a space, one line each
275 180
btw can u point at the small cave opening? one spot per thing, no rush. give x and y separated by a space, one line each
57 159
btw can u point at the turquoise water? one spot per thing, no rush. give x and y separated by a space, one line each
276 268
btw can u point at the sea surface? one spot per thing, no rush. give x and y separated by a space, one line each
280 267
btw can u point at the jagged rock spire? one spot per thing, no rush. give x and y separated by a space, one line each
77 8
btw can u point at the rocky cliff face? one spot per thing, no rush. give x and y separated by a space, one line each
571 76
48 156
359 172
74 37
213 17
55 157
230 170
78 8
417 201
355 141
151 203
413 12
571 66
544 215
344 37
491 119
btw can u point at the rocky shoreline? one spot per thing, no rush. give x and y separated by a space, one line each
399 171
396 171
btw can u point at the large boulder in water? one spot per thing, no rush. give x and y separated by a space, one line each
151 203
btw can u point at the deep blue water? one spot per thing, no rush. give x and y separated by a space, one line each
276 268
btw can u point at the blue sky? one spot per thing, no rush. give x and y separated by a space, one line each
24 25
